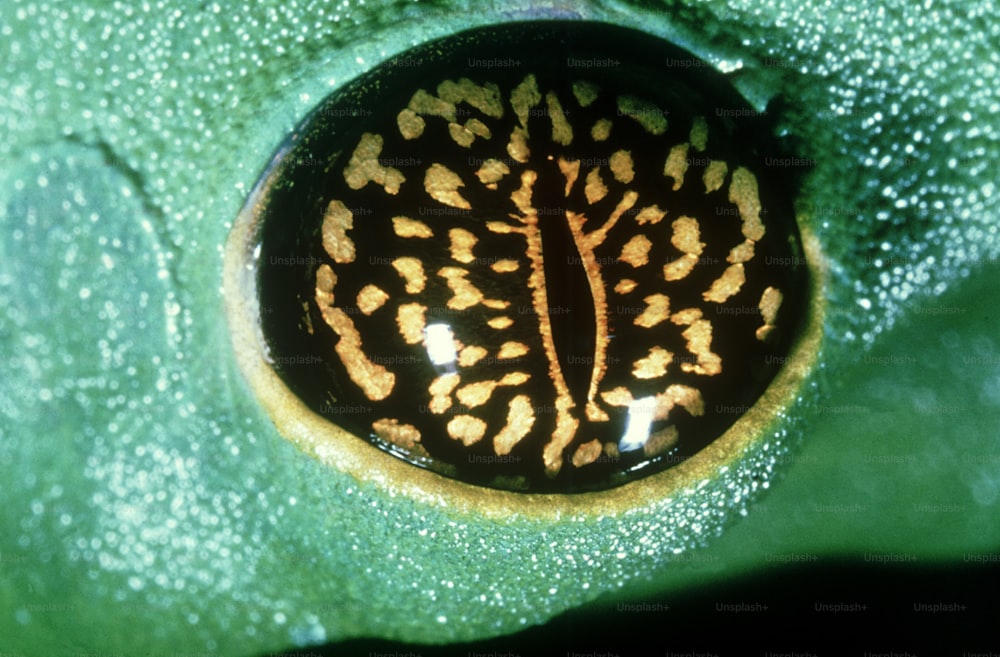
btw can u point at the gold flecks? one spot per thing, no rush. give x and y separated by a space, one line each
742 252
676 394
523 98
715 175
601 130
440 392
500 323
424 103
699 342
326 280
521 197
469 356
411 321
464 135
651 214
374 380
510 350
726 285
465 293
677 164
478 393
660 442
687 235
484 98
307 317
619 396
595 189
371 298
364 166
585 92
412 271
621 166
562 131
405 436
643 112
686 238
442 184
611 450
625 285
770 302
594 412
587 453
570 169
520 419
517 147
699 133
657 310
406 227
462 242
636 251
492 171
411 125
504 266
337 220
679 268
470 430
496 304
743 192
654 365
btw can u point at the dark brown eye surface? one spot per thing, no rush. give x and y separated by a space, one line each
544 257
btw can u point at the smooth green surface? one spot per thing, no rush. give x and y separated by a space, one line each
147 506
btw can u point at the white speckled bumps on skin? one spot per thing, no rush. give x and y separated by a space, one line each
142 486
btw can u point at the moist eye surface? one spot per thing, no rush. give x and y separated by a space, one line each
540 257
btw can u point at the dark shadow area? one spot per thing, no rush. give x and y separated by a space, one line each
845 609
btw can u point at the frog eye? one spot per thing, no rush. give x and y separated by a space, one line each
515 264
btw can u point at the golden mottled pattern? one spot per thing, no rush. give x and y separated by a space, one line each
491 172
505 266
687 238
467 428
406 227
585 92
442 184
405 436
625 285
622 167
601 130
440 391
364 166
587 453
509 350
699 340
770 302
715 175
653 365
371 298
677 164
374 380
657 310
595 189
636 251
562 131
337 220
469 399
520 419
470 355
462 242
412 271
645 113
411 321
